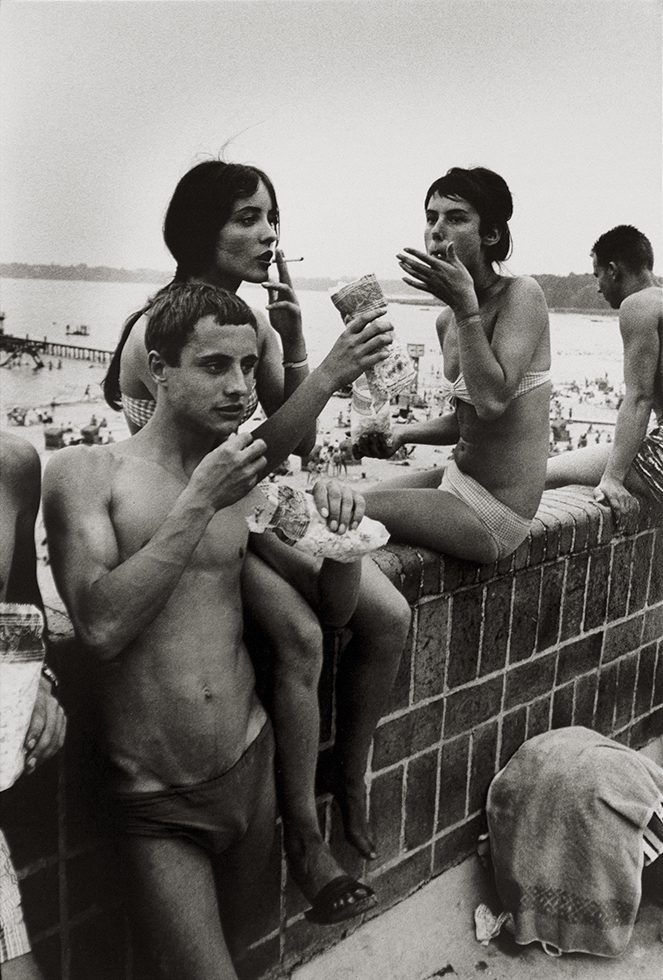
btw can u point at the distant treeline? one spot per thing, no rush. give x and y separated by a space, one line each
572 292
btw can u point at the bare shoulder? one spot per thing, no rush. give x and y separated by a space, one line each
525 287
645 306
79 472
19 463
444 318
265 332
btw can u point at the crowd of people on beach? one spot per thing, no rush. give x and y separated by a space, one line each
178 607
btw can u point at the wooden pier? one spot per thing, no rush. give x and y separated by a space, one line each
52 348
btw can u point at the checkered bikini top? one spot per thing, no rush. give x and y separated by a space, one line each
452 391
140 410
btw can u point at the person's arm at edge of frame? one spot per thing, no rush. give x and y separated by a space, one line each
639 330
361 345
111 602
46 730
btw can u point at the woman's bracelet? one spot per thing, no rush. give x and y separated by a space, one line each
296 364
461 321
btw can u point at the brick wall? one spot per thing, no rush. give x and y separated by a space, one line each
567 631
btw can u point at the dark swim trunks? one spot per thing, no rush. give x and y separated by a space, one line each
215 814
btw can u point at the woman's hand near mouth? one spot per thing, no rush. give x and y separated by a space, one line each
447 278
284 312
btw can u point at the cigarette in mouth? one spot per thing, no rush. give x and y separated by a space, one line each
300 259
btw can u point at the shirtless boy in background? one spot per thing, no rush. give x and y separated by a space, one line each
147 540
20 483
623 261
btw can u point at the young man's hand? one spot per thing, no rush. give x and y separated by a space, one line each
228 472
340 505
47 727
613 492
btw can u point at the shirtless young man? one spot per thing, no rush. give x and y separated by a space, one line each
623 261
147 541
20 482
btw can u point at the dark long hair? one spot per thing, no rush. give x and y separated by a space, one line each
199 208
489 195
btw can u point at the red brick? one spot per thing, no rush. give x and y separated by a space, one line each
550 605
538 716
653 628
647 729
514 733
625 689
454 846
562 710
454 776
466 613
472 706
525 614
421 791
607 697
483 764
658 678
585 697
645 685
579 657
596 601
431 649
386 809
497 615
399 738
457 573
530 680
574 596
642 560
622 638
656 580
620 576
403 878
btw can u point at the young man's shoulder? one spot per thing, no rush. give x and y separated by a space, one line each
19 460
79 466
646 305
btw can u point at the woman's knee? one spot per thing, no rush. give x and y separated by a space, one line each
297 643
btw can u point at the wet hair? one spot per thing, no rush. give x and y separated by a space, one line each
199 208
489 195
627 245
177 309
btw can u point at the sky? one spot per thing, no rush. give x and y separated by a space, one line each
352 108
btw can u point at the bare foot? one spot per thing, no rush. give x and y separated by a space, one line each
311 864
352 804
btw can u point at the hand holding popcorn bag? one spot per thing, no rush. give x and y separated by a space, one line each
397 371
21 659
294 518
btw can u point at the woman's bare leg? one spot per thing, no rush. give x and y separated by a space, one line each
432 519
292 629
366 673
583 466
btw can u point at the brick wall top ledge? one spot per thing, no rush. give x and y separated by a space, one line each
569 521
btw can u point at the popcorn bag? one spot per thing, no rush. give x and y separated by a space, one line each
294 518
21 659
368 424
397 371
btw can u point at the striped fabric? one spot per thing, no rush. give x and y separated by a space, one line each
140 410
13 935
648 464
653 836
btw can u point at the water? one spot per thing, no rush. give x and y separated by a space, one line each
583 346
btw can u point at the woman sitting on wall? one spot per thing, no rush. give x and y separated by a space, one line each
495 343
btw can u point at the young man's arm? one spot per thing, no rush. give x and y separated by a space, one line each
111 601
361 345
638 324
